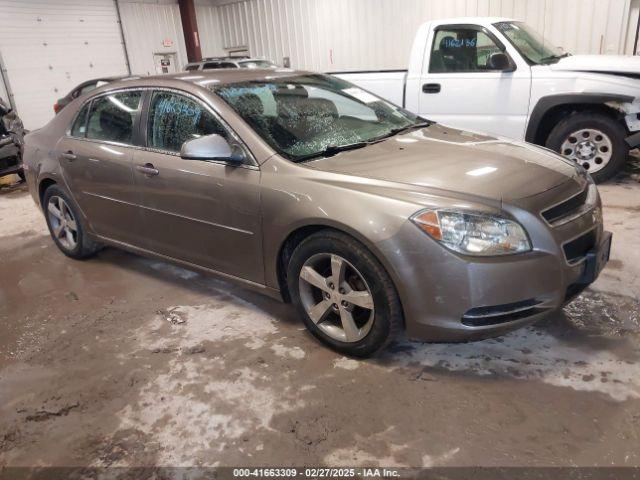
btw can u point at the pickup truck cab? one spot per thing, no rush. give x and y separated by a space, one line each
498 76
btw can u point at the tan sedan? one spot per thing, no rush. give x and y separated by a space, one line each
302 186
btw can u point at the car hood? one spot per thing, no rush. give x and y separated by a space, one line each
448 159
619 64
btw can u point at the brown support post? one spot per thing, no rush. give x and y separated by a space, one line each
190 29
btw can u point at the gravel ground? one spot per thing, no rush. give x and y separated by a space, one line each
125 361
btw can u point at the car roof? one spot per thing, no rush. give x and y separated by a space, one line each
102 79
230 59
204 78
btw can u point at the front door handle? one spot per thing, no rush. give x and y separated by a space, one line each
148 169
431 88
69 156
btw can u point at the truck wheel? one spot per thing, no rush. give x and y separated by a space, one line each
345 297
593 140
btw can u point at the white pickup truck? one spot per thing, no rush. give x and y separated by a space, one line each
498 76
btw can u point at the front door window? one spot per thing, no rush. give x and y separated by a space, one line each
458 50
175 119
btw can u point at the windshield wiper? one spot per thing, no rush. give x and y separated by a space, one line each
553 57
399 130
331 150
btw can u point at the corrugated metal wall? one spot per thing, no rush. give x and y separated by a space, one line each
209 27
50 47
146 26
376 34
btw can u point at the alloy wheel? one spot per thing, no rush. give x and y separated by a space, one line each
63 223
588 147
336 297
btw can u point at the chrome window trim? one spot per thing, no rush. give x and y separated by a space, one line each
251 166
108 142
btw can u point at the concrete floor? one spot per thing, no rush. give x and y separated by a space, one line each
120 361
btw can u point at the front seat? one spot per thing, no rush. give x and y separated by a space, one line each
450 56
116 125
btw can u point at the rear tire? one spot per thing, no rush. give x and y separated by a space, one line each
354 304
593 140
66 225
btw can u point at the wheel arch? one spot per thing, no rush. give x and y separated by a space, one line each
300 232
43 185
550 109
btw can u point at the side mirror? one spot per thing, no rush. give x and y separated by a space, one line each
501 62
213 148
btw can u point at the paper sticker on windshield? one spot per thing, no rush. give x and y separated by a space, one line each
360 94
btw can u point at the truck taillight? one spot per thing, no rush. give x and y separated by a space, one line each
57 107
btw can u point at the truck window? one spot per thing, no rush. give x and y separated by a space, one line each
459 50
211 66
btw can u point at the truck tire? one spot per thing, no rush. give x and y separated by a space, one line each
343 294
593 140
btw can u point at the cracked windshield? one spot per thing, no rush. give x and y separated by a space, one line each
307 116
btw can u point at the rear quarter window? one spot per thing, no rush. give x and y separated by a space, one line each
79 127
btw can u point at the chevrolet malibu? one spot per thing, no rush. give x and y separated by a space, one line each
369 219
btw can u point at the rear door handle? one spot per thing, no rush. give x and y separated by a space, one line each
431 88
148 169
69 156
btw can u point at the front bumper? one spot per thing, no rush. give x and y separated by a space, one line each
448 297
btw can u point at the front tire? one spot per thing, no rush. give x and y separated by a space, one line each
344 295
66 225
593 140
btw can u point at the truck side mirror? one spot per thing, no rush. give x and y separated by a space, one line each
500 61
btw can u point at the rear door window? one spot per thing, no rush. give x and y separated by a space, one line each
112 117
175 119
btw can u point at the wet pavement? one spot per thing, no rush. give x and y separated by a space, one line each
125 361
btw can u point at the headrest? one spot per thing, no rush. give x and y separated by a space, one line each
297 107
249 105
447 43
116 123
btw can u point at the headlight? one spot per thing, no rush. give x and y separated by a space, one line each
473 234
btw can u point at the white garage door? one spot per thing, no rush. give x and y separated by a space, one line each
50 46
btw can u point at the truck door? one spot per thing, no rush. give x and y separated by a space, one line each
460 88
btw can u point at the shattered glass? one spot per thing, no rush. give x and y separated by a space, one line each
175 119
302 116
